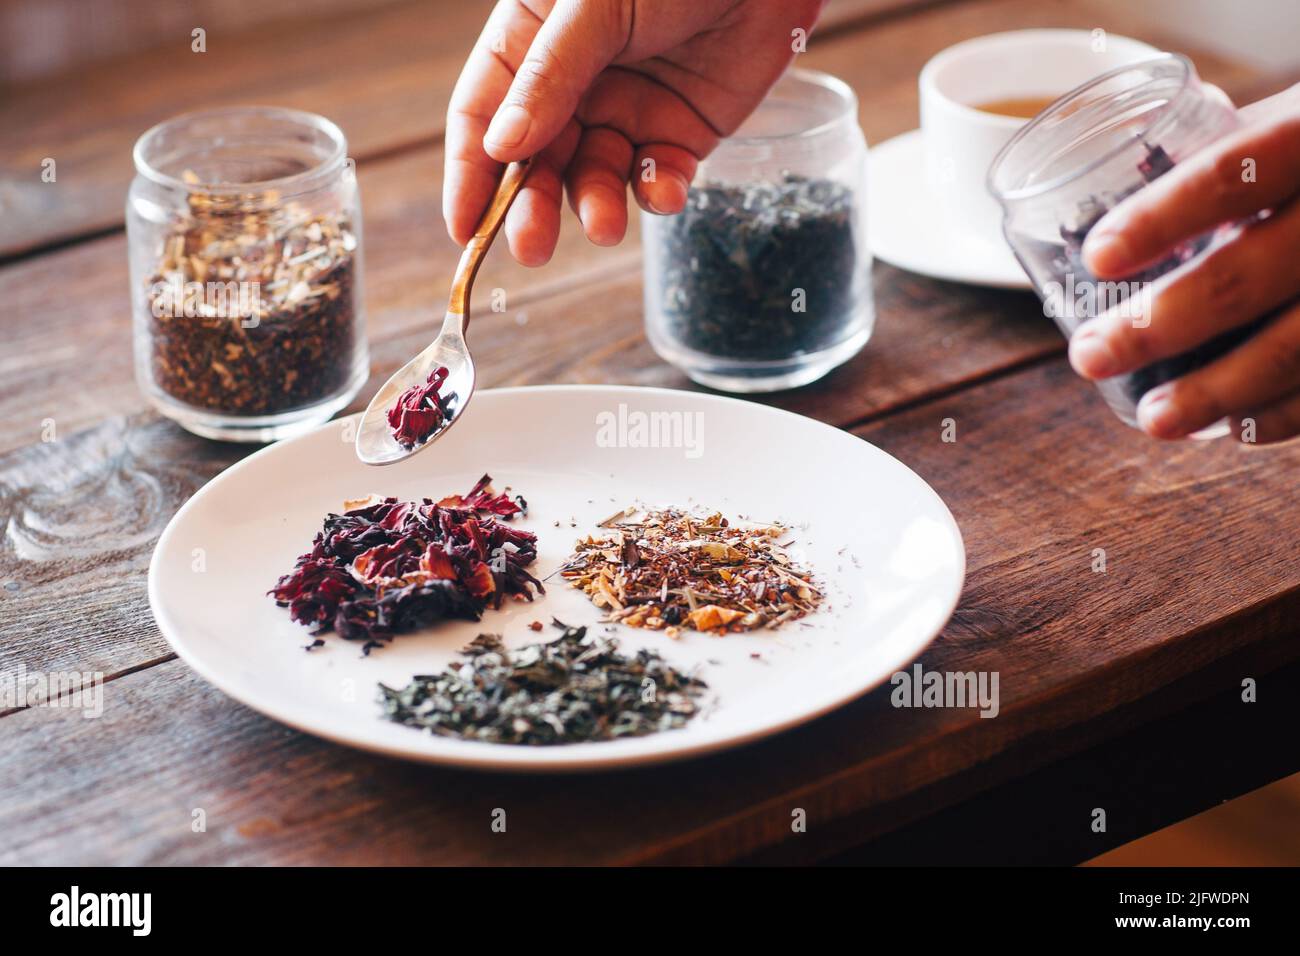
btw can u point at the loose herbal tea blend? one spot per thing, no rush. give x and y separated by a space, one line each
385 567
1068 260
576 688
420 410
1089 151
282 333
670 569
763 271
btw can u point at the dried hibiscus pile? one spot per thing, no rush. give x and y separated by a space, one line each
420 411
385 566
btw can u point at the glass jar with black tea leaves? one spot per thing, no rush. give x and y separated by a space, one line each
1080 157
244 234
763 282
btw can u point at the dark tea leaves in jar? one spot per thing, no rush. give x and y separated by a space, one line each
1069 260
761 271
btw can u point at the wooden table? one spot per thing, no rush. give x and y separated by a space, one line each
1119 689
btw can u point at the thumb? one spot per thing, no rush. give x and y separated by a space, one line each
575 42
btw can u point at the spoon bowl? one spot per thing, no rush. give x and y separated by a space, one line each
375 443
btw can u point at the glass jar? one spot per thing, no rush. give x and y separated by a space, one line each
1092 148
763 282
244 235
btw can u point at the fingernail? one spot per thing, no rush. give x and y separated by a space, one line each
1158 414
1091 355
509 127
1107 252
588 209
669 181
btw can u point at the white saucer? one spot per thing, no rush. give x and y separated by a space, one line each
909 228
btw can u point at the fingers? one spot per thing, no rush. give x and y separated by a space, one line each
597 184
532 225
648 111
1277 422
571 47
1261 110
661 176
542 69
470 175
1198 194
1247 277
1256 374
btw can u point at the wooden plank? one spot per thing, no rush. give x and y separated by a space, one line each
70 364
67 314
105 492
43 38
119 630
384 75
1260 828
1040 476
930 337
1164 771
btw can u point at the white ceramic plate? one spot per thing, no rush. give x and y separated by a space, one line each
909 228
881 540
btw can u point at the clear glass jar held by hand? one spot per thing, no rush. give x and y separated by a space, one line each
763 282
1081 157
244 231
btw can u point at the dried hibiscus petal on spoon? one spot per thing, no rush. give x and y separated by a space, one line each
420 411
385 567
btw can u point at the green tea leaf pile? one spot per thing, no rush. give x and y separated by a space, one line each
573 689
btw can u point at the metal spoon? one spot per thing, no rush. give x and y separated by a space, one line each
375 442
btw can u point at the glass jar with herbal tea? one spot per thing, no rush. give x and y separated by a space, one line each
763 282
244 232
1084 154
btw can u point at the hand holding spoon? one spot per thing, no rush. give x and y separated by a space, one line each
375 442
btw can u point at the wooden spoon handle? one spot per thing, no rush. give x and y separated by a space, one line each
512 180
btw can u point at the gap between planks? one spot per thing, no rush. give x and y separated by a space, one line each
107 679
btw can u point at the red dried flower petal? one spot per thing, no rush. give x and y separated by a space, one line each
313 591
478 581
389 560
419 411
437 564
482 498
395 565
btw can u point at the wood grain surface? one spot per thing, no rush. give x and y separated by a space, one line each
84 330
1199 538
384 74
1070 645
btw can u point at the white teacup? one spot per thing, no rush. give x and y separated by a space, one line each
960 141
